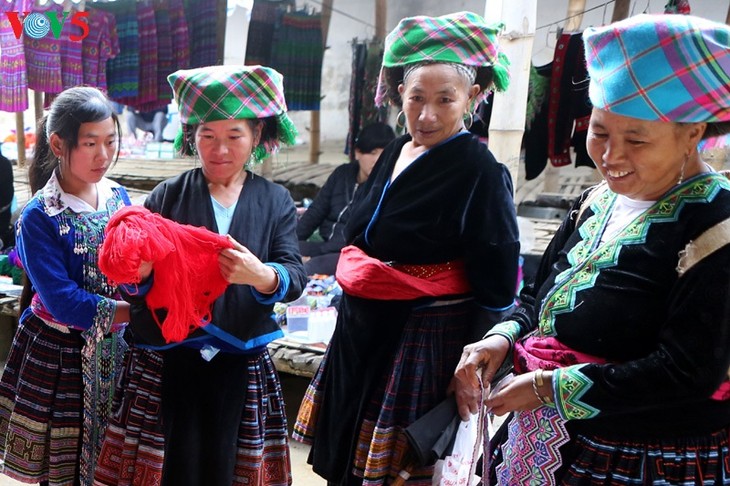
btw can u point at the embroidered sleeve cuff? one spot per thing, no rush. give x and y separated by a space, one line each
105 310
281 291
569 386
507 329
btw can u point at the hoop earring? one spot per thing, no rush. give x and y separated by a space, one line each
398 122
681 173
471 120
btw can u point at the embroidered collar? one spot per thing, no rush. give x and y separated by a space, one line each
57 200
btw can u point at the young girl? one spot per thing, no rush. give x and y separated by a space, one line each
56 389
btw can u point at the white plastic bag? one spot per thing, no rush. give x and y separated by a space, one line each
458 468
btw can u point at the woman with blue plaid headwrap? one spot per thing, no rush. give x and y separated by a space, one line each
622 345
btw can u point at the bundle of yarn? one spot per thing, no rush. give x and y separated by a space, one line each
187 278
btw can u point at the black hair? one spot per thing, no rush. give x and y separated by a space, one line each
374 136
71 108
68 111
716 129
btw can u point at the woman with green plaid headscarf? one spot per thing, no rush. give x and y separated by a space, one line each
432 261
209 410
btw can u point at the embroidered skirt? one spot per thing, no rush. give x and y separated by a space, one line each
41 405
416 381
701 460
184 421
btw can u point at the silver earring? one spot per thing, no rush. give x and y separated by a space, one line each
400 120
681 172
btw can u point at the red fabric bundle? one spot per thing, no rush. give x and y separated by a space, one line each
185 261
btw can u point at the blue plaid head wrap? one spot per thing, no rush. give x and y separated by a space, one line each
661 67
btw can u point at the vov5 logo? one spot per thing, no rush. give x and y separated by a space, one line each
38 24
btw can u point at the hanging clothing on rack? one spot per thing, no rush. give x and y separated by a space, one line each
123 70
569 107
202 18
357 84
297 54
180 35
147 80
264 18
535 139
13 75
43 58
165 59
99 46
72 68
677 7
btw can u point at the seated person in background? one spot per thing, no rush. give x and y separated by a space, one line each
330 209
7 192
147 121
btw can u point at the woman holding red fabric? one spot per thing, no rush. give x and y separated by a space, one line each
622 345
208 410
432 261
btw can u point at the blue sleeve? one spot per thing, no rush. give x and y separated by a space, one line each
49 262
281 290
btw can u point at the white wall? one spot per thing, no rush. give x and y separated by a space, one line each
343 29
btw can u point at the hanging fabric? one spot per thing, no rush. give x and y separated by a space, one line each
202 16
535 139
165 59
72 69
180 36
43 58
13 74
569 107
147 45
357 82
123 70
264 16
677 7
98 47
297 54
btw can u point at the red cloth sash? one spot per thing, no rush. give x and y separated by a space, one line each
363 276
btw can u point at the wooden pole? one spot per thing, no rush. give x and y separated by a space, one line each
38 107
620 10
20 138
381 16
575 18
507 124
727 17
314 130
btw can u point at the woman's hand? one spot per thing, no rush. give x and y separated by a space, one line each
239 266
485 357
519 394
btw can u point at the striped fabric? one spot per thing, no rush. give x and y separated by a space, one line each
661 67
13 77
462 38
41 405
134 445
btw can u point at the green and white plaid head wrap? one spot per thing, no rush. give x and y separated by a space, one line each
215 93
460 38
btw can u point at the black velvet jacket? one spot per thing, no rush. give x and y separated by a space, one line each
666 338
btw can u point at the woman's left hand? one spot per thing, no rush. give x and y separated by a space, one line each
239 266
518 394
